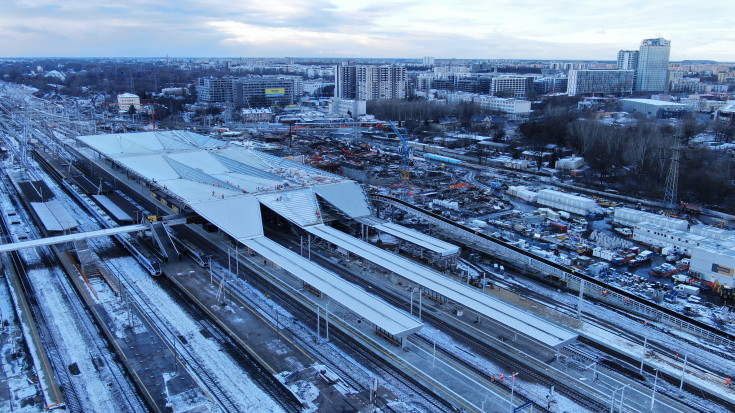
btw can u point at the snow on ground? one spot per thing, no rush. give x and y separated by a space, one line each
15 370
230 377
532 390
72 343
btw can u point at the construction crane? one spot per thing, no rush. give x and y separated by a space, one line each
405 152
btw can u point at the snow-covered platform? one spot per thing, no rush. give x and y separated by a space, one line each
521 321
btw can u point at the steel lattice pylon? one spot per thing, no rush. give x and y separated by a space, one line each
672 179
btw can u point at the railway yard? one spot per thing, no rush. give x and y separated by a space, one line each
176 272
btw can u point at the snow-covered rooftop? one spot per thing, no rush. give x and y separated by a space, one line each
655 102
213 177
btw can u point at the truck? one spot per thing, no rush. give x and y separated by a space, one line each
478 223
687 289
681 278
645 255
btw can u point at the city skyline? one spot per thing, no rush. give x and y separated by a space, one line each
558 30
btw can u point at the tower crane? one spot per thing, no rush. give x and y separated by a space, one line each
405 152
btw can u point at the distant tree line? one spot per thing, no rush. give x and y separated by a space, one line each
419 114
86 77
636 159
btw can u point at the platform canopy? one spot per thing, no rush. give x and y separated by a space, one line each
54 216
514 318
442 248
395 322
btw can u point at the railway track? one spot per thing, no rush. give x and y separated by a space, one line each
255 370
625 364
347 343
61 374
169 335
104 362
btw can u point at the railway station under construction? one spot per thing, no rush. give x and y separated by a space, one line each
230 188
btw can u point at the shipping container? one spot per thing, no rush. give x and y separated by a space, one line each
574 204
687 289
631 217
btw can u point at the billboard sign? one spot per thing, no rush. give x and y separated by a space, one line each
722 270
275 92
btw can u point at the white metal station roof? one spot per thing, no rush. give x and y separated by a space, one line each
419 238
115 210
237 216
486 305
54 216
298 205
348 197
200 170
395 322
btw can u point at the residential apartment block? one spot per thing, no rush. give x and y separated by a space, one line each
250 91
366 82
600 81
514 86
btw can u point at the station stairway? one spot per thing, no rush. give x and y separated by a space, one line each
164 241
87 261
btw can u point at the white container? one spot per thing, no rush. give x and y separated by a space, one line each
687 289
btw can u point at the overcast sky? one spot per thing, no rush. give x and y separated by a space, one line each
502 29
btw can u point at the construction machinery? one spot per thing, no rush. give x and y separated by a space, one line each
405 151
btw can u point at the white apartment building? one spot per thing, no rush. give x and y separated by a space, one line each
366 82
506 105
347 107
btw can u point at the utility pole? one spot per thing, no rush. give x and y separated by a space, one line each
653 393
672 179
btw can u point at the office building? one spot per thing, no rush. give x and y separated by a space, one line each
652 74
428 60
600 82
365 82
214 89
261 91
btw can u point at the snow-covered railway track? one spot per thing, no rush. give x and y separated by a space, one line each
420 395
170 336
266 381
74 345
47 339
